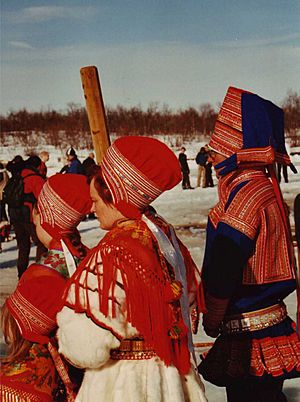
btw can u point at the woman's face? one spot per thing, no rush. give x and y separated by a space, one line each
107 214
41 233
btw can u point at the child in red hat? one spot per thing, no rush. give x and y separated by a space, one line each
33 370
126 318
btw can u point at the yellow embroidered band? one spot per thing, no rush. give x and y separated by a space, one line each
255 320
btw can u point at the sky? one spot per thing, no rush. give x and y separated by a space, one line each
179 53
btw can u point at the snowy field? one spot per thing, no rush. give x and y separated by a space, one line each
181 208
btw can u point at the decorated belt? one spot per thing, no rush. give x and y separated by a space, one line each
254 320
133 349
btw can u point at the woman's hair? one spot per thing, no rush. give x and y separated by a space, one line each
18 347
75 239
100 185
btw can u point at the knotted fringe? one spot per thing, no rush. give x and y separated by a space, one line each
147 309
133 254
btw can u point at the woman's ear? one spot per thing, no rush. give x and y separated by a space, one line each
35 215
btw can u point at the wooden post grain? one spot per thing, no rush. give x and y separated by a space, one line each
95 110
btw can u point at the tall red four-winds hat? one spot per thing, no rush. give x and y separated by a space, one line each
251 129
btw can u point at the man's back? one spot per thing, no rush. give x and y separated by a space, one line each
75 167
183 162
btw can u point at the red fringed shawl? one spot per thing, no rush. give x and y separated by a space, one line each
130 252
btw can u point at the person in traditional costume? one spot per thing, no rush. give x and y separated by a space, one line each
33 370
249 266
126 318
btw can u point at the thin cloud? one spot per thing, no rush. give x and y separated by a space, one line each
20 45
48 13
237 43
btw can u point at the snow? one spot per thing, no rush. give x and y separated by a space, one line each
180 208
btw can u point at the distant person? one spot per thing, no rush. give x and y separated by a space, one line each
88 163
3 180
33 369
208 175
4 223
44 156
88 166
201 160
21 217
74 165
65 167
185 170
208 170
15 165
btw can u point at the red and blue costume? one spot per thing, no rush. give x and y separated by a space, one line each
249 266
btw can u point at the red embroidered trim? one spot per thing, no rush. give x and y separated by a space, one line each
254 211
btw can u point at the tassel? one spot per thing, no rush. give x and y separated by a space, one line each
63 372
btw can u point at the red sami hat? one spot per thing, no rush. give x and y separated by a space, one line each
63 202
36 301
137 170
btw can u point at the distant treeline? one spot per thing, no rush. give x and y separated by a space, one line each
133 120
121 120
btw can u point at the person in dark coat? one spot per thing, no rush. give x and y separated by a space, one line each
3 180
21 218
88 164
185 170
208 170
201 160
74 165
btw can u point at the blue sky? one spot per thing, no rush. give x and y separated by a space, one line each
180 52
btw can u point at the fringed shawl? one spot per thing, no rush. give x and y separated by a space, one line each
129 258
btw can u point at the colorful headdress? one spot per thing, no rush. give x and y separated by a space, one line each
36 301
137 170
249 130
63 202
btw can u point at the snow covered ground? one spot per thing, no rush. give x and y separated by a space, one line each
182 209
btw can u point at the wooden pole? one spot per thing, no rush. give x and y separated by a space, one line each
95 110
